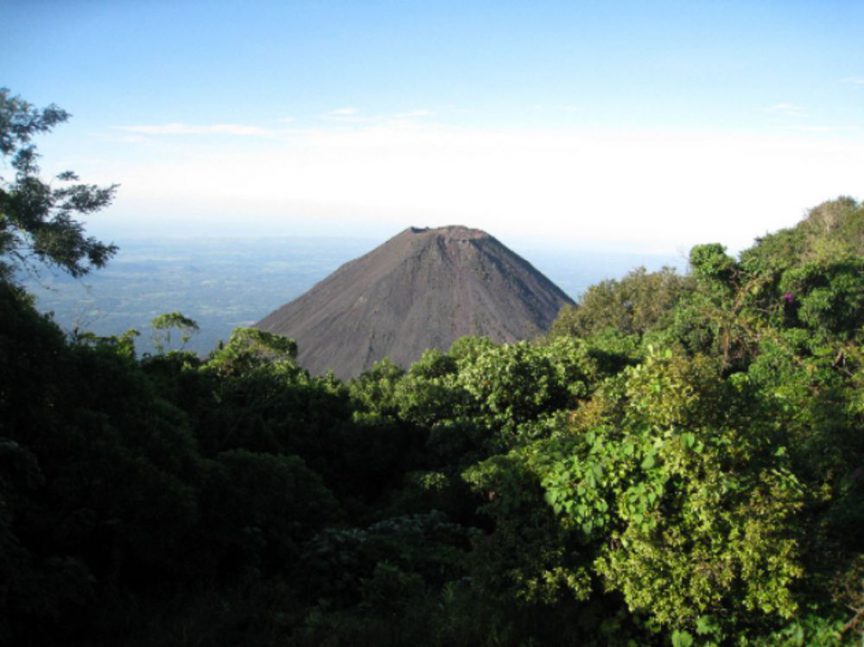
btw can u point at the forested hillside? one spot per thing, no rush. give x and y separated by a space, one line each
678 463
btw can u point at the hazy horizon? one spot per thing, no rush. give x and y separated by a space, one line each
643 128
225 283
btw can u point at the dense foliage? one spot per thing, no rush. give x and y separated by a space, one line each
678 463
38 219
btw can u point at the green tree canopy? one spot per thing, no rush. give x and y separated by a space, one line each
167 322
635 304
38 218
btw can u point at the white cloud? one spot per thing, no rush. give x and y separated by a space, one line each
354 116
414 114
821 129
788 109
854 80
572 108
191 129
348 115
133 139
641 190
345 114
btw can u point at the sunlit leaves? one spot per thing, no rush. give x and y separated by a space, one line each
691 522
249 348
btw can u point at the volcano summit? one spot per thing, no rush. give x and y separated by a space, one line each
423 288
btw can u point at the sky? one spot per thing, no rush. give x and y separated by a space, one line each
628 126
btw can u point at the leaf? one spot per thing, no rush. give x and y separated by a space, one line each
648 462
705 626
681 639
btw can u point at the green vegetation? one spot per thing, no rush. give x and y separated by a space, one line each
36 219
678 463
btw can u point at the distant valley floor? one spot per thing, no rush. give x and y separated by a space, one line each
226 283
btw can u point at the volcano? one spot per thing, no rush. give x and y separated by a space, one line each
423 288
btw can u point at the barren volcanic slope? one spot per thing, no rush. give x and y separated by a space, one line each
421 289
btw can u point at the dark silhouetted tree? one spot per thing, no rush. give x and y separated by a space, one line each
38 219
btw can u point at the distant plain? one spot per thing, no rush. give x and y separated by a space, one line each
224 283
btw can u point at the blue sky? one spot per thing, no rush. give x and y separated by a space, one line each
643 126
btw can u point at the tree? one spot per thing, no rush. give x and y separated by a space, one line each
163 325
639 302
37 219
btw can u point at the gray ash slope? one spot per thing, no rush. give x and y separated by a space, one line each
423 288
